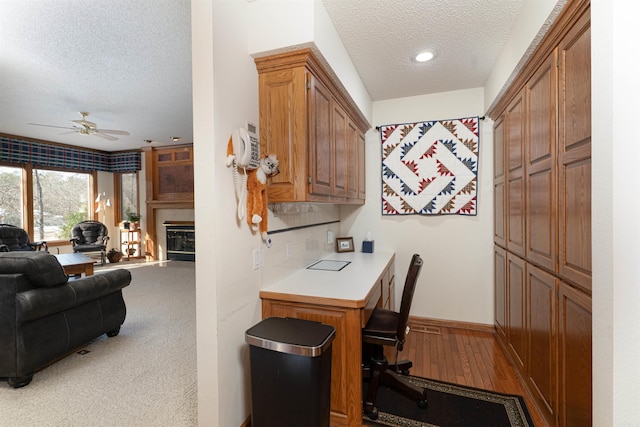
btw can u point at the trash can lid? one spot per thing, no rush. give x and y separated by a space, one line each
289 335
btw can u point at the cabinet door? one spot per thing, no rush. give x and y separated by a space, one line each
320 139
542 296
340 152
283 131
574 352
516 310
540 156
500 278
361 166
514 143
575 155
499 195
353 162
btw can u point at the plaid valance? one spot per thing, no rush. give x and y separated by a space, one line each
50 155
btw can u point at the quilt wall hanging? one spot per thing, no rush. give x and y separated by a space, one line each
430 168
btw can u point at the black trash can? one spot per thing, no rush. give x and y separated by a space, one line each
290 372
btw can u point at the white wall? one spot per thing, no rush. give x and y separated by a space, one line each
225 85
615 204
456 282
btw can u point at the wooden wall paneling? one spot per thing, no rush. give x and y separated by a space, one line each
501 298
514 144
575 357
540 154
499 176
542 290
517 310
574 155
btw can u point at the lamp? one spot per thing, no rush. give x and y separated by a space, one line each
103 202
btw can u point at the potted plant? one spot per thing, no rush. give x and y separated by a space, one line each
133 218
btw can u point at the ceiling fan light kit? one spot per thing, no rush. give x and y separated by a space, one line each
85 127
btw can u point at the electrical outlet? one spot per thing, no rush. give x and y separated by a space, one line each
329 237
289 250
257 259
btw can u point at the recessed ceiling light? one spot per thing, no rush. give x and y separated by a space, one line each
148 141
175 138
424 56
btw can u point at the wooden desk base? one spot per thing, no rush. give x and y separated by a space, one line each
76 264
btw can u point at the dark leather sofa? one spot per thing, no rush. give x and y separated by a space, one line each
44 315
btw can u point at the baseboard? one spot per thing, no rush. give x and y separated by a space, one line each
428 325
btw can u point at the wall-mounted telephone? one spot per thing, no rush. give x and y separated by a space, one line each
246 147
246 155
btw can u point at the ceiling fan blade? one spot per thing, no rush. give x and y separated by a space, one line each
50 126
115 132
85 123
105 136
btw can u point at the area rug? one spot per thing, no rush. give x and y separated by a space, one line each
450 405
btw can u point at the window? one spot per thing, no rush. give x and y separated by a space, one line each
11 196
126 185
60 200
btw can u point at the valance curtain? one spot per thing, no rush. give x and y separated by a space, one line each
50 155
430 167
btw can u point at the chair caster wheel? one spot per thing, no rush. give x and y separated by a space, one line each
373 414
422 404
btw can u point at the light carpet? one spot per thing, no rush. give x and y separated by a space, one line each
145 376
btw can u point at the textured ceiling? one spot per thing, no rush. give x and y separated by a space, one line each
383 36
128 63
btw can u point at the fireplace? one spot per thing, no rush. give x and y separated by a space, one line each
181 240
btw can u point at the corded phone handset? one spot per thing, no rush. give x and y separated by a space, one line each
246 147
243 151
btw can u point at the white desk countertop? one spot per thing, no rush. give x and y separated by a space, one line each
353 283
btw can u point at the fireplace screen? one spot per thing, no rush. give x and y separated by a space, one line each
181 241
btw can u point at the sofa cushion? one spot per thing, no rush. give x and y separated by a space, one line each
41 268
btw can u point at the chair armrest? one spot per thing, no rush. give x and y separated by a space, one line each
4 248
74 241
105 239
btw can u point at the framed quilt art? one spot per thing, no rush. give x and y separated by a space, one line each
430 168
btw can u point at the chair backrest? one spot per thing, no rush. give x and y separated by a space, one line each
14 237
407 297
89 232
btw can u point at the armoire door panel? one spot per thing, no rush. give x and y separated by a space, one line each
516 216
500 295
574 155
516 309
542 295
575 354
498 148
499 223
540 159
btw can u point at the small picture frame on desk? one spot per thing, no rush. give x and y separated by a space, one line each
344 244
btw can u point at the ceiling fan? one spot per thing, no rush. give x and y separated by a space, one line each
85 127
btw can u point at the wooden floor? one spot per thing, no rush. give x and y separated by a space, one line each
463 356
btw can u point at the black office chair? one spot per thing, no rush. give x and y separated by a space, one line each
388 328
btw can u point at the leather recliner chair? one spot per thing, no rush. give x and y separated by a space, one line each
14 238
44 315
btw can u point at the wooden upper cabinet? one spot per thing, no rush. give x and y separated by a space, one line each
515 181
574 162
314 129
540 157
172 170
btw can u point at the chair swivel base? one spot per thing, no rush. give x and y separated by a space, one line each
382 374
